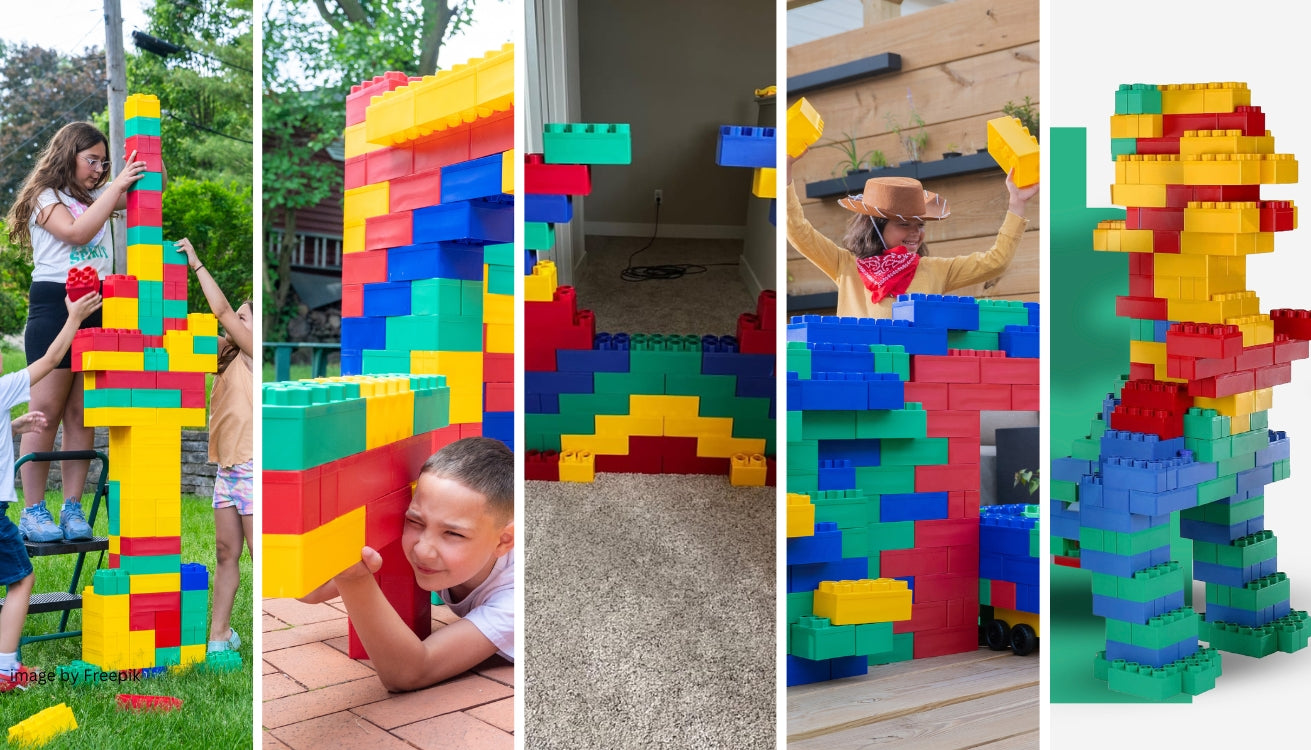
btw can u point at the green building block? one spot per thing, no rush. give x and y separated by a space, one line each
167 657
538 235
112 506
175 309
499 254
903 649
141 126
1266 591
913 451
849 509
721 387
140 235
500 280
1238 639
891 358
110 582
627 383
1205 424
435 333
984 340
816 638
587 143
827 425
222 661
435 297
432 408
670 355
149 564
1121 146
886 480
385 361
157 398
798 359
1138 99
757 428
1226 514
873 638
1216 489
910 422
204 345
309 424
995 315
107 397
594 403
800 604
1144 681
885 536
1241 553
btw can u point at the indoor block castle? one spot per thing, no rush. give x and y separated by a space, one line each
427 328
144 374
883 465
1187 435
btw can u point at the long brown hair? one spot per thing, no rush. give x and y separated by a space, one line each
863 241
231 351
56 169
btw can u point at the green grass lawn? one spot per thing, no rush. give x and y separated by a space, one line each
300 372
217 707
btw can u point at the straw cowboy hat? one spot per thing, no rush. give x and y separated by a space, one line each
897 198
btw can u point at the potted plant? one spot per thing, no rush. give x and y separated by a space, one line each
1026 113
852 160
914 136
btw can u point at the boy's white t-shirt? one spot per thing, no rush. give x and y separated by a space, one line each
490 606
15 389
52 257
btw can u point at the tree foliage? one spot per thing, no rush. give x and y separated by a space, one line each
40 91
216 217
15 278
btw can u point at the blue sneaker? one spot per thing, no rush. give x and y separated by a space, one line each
233 643
36 524
72 522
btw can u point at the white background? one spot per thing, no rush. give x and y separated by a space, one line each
1088 50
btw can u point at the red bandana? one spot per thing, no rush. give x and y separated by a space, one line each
888 274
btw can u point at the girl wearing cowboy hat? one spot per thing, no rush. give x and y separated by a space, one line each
884 254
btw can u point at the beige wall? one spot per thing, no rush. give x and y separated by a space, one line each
675 71
961 62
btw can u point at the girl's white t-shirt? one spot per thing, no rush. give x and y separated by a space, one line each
490 606
52 257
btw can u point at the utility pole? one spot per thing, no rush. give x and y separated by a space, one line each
116 65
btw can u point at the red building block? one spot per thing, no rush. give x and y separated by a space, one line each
364 267
1025 398
418 190
357 174
143 145
931 396
948 424
963 560
542 466
678 456
752 337
541 178
491 135
413 604
963 450
1278 216
449 146
386 164
131 702
1203 340
925 617
767 309
81 282
150 545
498 368
954 368
388 230
1002 594
895 563
1143 308
294 500
352 300
1009 370
139 199
145 217
361 94
1295 324
118 285
978 397
949 533
946 478
498 397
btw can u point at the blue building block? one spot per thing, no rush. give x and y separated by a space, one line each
549 403
825 357
830 329
499 425
352 360
1247 618
938 311
1026 598
848 666
745 146
1159 329
1123 566
741 365
1215 533
387 299
886 390
363 333
1019 341
914 506
1155 657
558 382
1066 469
1121 609
1235 577
837 475
991 566
471 180
466 221
1162 503
1253 481
1032 308
823 547
532 404
1279 449
756 387
1139 445
807 577
1020 570
1120 520
801 671
195 577
435 260
551 209
916 339
858 452
591 360
772 209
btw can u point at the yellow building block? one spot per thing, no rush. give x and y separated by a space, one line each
1148 352
1222 217
365 202
663 406
495 74
141 648
1239 404
441 100
1012 146
1148 169
297 564
1112 236
1143 196
43 726
500 338
1198 98
141 105
747 470
1198 142
1015 617
1137 126
1221 169
804 127
120 312
764 182
155 583
1210 274
146 262
352 236
202 324
540 286
1257 329
193 654
863 601
577 466
356 142
711 446
629 425
1229 243
498 308
1218 309
800 515
597 445
698 426
1279 169
507 172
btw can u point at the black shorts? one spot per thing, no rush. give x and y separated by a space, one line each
46 315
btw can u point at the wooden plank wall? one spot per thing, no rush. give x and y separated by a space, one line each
961 63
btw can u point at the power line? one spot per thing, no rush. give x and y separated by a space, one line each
172 116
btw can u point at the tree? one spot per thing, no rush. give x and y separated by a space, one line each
218 221
40 91
313 53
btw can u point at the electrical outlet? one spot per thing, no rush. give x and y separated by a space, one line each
659 195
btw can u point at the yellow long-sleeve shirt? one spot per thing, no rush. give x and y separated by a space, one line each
933 276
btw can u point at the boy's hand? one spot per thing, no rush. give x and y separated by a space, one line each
370 562
83 307
33 421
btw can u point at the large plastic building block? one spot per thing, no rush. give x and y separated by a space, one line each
1013 147
132 702
864 601
41 727
587 143
555 179
745 146
804 127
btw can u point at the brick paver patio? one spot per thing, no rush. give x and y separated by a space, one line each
316 696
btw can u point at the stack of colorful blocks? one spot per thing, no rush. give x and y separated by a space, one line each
144 375
883 439
752 147
1189 431
427 279
1008 576
561 171
644 403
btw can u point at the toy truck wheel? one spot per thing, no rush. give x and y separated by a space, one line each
1023 640
998 635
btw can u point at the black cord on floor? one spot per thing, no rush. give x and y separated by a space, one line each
665 272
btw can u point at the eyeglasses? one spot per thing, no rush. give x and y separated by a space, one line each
95 163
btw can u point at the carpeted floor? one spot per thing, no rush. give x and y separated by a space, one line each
649 614
700 303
